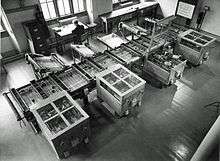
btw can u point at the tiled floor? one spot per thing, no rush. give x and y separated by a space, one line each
170 124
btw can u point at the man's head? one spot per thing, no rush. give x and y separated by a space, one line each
76 22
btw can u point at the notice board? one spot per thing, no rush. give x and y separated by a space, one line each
185 9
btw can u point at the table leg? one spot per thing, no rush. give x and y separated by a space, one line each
106 27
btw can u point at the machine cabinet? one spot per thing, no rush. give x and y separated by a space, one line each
51 110
165 66
195 46
63 123
37 34
121 89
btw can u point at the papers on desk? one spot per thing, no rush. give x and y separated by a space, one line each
112 40
83 50
67 29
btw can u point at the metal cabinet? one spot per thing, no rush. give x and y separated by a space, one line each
195 46
165 66
121 89
63 123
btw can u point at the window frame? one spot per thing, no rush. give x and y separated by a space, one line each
78 6
58 16
115 2
55 8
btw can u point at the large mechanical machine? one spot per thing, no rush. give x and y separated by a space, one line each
43 65
51 110
73 80
120 89
63 123
133 29
195 46
105 60
165 65
89 68
126 55
137 47
147 42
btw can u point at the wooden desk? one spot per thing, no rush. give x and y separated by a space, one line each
127 10
67 29
64 35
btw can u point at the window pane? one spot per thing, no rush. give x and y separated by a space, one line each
51 10
67 6
45 11
75 6
42 1
81 5
61 7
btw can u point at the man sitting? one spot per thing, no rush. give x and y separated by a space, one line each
78 32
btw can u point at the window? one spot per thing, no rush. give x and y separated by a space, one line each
48 9
63 7
115 1
78 6
58 8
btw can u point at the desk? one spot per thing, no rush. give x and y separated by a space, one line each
64 35
127 10
83 51
67 29
112 40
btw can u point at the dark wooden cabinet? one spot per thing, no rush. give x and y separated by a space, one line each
37 34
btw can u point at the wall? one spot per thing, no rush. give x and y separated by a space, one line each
98 7
12 4
15 16
211 22
6 45
15 20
